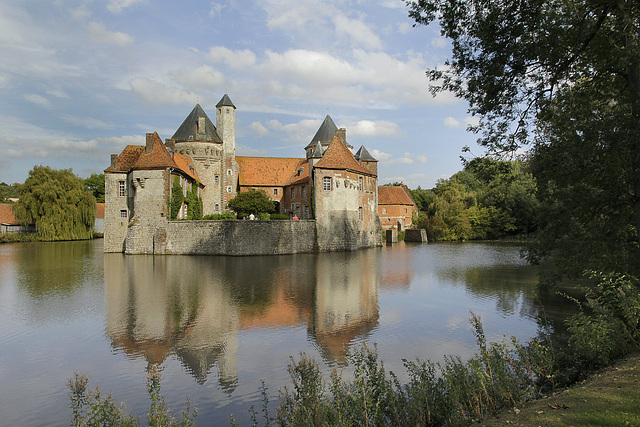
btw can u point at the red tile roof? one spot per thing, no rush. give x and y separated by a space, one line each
338 156
266 171
301 173
99 210
136 157
397 195
6 214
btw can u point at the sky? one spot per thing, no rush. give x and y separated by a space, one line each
81 79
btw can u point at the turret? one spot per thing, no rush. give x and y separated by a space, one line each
226 124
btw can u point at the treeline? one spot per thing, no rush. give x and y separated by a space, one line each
488 199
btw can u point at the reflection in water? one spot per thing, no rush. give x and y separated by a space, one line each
195 307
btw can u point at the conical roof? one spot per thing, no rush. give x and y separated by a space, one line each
190 131
225 102
325 133
364 155
317 151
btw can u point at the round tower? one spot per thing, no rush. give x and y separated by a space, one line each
226 127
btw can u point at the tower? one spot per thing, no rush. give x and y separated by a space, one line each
226 127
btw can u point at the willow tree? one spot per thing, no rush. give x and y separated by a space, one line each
57 202
526 67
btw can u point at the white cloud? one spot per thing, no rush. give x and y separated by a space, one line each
58 93
87 122
404 27
235 59
405 159
359 32
452 123
371 128
37 99
100 34
471 121
117 6
5 80
440 42
381 156
243 150
204 77
258 129
301 131
156 93
215 9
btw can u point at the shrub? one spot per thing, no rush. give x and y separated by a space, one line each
223 215
278 217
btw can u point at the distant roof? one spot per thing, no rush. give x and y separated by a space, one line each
338 156
325 133
395 195
225 102
6 214
363 155
100 210
266 171
189 130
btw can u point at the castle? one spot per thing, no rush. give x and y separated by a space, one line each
332 192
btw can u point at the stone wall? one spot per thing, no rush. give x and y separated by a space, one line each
415 235
240 237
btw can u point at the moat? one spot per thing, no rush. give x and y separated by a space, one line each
218 325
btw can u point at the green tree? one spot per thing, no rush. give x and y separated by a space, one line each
177 197
95 184
251 202
527 68
8 191
57 202
423 198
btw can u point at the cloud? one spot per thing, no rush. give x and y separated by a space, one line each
87 122
371 128
117 6
405 159
204 77
100 34
380 156
156 93
359 32
37 99
471 121
301 131
243 150
440 42
215 9
404 27
235 59
452 123
258 129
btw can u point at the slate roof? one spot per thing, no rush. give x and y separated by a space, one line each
266 171
364 156
6 214
188 130
395 195
225 102
338 156
325 133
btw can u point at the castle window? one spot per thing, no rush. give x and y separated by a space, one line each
123 213
122 190
326 183
217 208
360 213
360 183
293 193
275 191
229 189
304 192
217 179
228 171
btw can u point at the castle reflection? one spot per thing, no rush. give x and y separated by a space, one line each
196 307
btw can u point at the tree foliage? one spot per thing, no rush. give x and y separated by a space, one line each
251 202
8 191
564 77
95 184
177 198
57 202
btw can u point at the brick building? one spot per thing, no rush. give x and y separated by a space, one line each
396 207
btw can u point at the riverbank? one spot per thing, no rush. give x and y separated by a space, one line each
30 237
608 397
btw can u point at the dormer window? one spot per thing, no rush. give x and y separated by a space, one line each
201 125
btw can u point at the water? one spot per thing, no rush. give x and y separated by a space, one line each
218 325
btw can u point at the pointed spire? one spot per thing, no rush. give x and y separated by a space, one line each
225 102
197 127
317 151
325 133
363 155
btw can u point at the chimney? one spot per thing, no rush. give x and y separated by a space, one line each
114 161
342 135
149 147
170 143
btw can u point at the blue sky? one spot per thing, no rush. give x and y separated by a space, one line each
81 79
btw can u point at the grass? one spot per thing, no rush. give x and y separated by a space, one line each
609 397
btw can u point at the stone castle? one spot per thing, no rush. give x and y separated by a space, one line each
332 192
